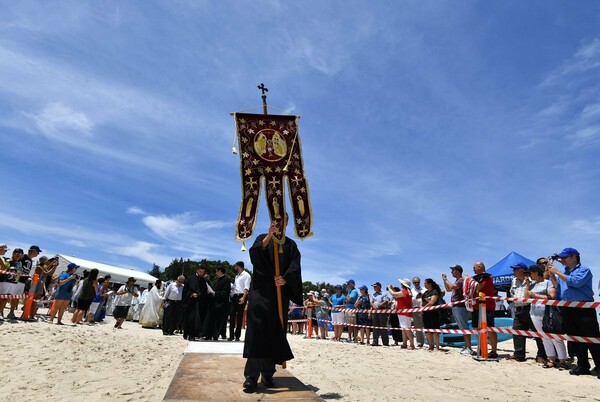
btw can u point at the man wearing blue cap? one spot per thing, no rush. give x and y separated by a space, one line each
575 284
349 317
522 320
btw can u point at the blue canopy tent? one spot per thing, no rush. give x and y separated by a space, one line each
502 273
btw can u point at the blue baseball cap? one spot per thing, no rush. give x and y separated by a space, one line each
567 252
338 287
72 265
351 281
520 266
364 287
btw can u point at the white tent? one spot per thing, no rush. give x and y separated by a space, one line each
118 275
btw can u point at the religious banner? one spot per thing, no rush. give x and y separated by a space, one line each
270 153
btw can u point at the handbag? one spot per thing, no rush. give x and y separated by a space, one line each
553 321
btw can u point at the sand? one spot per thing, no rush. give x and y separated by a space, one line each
41 361
352 372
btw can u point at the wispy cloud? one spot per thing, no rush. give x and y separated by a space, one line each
135 211
62 123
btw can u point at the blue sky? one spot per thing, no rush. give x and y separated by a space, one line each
433 133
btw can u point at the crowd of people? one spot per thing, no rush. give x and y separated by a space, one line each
342 309
200 306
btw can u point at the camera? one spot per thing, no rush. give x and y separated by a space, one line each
554 257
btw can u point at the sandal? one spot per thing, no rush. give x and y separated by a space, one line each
549 364
563 366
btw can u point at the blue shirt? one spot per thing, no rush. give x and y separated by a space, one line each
578 286
353 294
337 300
66 289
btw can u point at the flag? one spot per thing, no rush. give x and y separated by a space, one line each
270 154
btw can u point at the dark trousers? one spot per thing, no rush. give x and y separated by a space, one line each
255 366
583 322
523 322
236 317
380 320
395 323
172 316
220 320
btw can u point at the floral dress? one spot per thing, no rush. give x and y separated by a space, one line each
363 304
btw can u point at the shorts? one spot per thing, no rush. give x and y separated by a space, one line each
405 321
120 311
350 318
63 295
38 289
83 304
93 307
321 323
6 288
475 318
17 289
461 316
337 317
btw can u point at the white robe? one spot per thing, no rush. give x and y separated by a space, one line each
150 314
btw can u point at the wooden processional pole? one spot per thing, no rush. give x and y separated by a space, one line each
264 90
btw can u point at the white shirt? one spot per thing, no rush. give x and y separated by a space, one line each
173 292
124 299
242 282
416 303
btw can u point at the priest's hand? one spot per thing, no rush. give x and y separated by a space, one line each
279 281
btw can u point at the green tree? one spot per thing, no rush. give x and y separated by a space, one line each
156 272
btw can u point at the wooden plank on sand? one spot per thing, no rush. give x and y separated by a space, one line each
219 377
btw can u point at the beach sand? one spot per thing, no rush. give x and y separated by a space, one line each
43 361
342 371
92 363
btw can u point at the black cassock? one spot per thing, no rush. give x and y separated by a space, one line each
265 335
195 315
222 288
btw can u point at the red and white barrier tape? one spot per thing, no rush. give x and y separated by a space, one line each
24 296
547 302
342 309
545 335
441 330
510 331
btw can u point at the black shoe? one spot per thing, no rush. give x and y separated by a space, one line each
268 381
229 339
216 338
493 355
374 344
237 339
191 339
579 371
515 358
250 383
11 316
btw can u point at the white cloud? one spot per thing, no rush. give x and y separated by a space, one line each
589 227
135 211
62 123
145 251
180 226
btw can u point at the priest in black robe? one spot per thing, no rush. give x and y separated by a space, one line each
265 341
222 288
195 302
